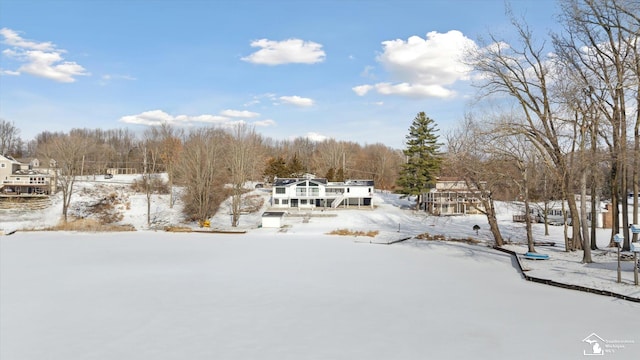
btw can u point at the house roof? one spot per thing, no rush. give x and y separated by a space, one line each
273 214
289 181
359 182
30 172
448 178
9 158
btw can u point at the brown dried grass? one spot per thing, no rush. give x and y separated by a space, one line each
348 232
90 225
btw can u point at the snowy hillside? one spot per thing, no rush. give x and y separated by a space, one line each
391 218
296 292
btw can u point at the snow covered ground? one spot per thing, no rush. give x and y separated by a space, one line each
297 293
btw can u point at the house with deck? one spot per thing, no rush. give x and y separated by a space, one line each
453 196
22 180
310 193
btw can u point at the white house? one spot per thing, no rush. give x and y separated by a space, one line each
312 193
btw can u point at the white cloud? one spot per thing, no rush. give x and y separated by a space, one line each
257 99
40 59
13 39
264 123
286 52
206 119
313 136
239 113
414 90
153 117
159 117
108 78
362 90
9 72
423 67
368 72
296 100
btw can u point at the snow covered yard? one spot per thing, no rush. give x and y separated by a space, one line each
297 293
271 295
566 268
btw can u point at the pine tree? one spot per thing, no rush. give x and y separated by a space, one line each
331 174
276 167
419 172
295 167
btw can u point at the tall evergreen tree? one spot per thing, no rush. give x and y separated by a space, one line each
276 168
295 167
423 158
331 174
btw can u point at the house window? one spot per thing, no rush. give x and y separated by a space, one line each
276 201
280 190
285 201
314 191
301 192
3 165
303 202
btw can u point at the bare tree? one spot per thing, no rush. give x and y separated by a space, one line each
329 154
380 162
514 147
9 138
467 158
151 150
523 72
168 146
600 44
243 160
202 170
67 151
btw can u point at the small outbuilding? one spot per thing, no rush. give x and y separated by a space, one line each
272 219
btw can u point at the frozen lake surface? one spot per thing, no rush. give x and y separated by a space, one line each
271 295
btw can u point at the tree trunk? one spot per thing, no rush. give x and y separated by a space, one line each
575 225
586 245
527 209
493 221
546 218
236 201
595 200
148 210
615 207
528 223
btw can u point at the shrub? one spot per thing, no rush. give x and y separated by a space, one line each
158 186
437 237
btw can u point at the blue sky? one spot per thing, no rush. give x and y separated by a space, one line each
349 70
